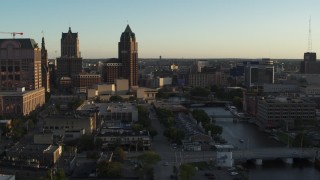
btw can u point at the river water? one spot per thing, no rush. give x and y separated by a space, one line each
254 138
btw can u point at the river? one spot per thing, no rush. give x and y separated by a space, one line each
254 138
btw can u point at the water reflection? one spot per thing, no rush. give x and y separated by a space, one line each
255 138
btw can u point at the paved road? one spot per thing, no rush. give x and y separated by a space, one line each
170 156
162 147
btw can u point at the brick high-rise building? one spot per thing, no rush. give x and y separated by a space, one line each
70 44
70 62
111 70
310 65
20 61
21 88
128 56
45 67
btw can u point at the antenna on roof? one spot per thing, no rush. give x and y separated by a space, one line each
310 37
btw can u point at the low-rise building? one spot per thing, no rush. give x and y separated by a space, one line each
34 155
109 89
147 95
43 138
69 123
83 81
21 102
127 139
284 112
114 114
310 91
207 79
280 88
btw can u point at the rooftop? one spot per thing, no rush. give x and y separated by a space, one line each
23 43
107 107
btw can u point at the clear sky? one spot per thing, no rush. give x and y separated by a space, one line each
170 28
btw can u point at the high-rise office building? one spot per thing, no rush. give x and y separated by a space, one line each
128 56
70 62
21 88
20 64
111 70
259 74
70 44
309 65
45 67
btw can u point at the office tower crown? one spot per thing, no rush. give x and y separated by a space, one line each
128 35
70 44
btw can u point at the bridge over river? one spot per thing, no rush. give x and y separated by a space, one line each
274 153
259 154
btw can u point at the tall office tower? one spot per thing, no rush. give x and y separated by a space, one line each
111 70
45 67
70 62
310 65
21 88
70 44
259 74
128 56
20 64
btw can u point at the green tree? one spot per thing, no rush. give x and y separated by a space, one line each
174 135
153 132
137 128
149 157
164 113
301 140
216 130
55 175
143 115
75 104
201 116
120 154
161 94
187 171
109 169
60 175
198 91
116 98
167 122
237 101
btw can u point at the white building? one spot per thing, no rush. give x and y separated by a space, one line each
122 86
105 89
224 155
147 95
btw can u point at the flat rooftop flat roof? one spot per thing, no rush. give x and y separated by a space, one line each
104 107
224 146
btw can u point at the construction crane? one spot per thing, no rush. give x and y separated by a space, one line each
12 33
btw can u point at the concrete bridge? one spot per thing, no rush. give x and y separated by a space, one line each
286 154
258 155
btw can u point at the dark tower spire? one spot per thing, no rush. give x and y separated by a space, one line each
128 55
43 45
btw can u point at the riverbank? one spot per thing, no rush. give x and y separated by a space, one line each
253 138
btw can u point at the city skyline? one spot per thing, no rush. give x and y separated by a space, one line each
171 29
